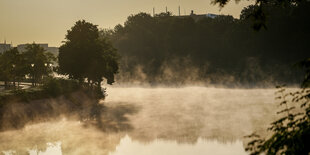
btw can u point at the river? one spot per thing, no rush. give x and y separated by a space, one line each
155 121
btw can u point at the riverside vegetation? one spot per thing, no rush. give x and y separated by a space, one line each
84 59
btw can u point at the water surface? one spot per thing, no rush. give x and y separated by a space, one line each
180 121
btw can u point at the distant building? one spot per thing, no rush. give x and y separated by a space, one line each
211 15
4 47
22 47
200 16
53 50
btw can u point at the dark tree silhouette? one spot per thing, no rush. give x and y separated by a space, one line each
86 56
217 48
259 14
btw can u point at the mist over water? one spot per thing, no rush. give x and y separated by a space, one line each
188 120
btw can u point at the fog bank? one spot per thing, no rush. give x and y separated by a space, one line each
185 115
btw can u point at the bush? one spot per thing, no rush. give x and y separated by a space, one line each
55 87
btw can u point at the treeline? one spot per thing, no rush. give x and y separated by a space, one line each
84 57
29 66
172 49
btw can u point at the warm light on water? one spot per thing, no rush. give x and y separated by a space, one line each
160 147
153 121
52 149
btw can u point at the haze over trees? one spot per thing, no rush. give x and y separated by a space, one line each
169 49
86 56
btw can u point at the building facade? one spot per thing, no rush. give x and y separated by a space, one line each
22 47
4 47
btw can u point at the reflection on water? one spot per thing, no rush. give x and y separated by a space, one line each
192 120
52 149
160 147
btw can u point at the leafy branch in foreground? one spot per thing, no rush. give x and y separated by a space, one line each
260 9
291 132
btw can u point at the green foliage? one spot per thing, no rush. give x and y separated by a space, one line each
55 87
86 56
22 95
291 132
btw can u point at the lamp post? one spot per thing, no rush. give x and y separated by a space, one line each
32 71
13 70
48 66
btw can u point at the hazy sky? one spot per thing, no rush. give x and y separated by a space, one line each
47 21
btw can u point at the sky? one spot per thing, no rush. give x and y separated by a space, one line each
47 21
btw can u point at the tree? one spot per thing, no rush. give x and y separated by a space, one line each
38 62
259 14
86 56
12 66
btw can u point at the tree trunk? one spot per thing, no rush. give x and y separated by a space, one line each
14 82
33 81
99 84
5 84
80 81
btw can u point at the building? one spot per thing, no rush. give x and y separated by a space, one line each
22 47
198 17
211 15
4 47
202 16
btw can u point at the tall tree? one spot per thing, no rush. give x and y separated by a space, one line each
86 56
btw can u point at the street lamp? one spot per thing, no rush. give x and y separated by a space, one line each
13 65
32 70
